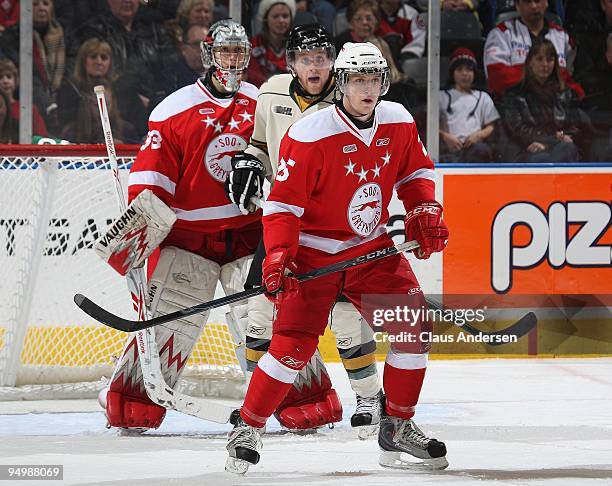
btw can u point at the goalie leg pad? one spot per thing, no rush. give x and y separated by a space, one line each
181 279
133 412
135 234
356 345
311 402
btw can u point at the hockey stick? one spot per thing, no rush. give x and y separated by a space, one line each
155 386
126 325
518 329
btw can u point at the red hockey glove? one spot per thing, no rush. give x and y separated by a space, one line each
277 269
425 225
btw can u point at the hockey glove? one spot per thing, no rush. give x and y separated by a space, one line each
425 225
245 182
278 270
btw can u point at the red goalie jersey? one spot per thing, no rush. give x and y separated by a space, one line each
335 181
187 155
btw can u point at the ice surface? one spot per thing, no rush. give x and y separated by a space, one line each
505 422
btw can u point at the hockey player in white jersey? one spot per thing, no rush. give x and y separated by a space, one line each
284 99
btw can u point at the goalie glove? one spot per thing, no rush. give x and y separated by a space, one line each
135 234
424 224
244 184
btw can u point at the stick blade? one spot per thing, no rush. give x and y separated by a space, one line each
521 327
103 316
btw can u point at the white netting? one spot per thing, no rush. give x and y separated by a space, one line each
52 209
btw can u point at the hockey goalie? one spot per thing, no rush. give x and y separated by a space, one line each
181 221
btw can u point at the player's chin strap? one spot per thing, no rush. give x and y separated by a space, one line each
361 124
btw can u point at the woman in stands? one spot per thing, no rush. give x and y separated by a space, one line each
78 109
8 127
540 113
268 47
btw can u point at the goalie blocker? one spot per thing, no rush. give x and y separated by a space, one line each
136 233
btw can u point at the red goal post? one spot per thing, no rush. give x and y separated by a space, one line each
55 201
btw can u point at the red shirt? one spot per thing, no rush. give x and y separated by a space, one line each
265 62
186 157
38 123
333 186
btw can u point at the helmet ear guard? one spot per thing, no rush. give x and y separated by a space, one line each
226 34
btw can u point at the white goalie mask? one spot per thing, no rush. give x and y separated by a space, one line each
227 49
361 58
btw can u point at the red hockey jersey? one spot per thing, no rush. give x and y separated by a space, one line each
187 154
334 183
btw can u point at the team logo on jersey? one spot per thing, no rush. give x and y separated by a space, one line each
282 110
365 209
347 149
242 101
206 111
381 142
218 157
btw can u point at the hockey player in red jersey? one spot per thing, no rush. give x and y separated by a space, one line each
176 186
337 172
284 99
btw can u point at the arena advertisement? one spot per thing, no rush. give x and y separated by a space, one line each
534 239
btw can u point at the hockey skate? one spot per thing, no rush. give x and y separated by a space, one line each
398 437
243 445
367 415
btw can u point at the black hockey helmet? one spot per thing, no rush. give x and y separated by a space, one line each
308 37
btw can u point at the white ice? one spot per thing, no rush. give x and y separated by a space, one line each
505 422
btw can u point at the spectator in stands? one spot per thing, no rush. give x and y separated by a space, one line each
8 126
9 80
402 89
591 52
49 52
187 69
134 40
9 14
460 5
468 116
78 105
362 16
189 12
268 48
598 105
405 35
540 113
507 45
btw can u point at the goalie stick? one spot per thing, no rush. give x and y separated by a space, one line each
520 328
156 387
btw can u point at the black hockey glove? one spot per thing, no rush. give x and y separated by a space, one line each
245 182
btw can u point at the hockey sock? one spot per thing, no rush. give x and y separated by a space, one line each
402 388
274 375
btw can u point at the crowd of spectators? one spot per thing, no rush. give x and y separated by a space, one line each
523 80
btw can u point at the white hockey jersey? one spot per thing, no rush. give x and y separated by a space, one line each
277 109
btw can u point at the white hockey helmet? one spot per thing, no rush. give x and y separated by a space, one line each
362 58
227 49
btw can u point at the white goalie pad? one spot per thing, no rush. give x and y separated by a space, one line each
135 234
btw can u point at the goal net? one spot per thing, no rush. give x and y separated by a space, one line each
55 201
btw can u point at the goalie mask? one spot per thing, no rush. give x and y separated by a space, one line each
362 58
227 49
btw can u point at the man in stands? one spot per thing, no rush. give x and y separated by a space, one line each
507 46
176 189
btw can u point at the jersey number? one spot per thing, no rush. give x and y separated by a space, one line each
283 169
